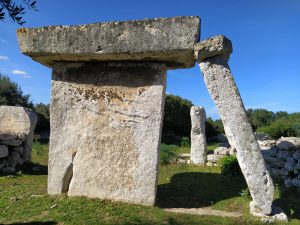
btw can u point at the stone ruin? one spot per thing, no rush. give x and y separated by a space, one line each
107 98
16 133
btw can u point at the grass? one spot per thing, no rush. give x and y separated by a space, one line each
23 199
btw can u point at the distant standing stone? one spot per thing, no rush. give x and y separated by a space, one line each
198 138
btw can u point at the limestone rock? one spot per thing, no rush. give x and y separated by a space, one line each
106 123
198 138
266 144
261 136
283 154
224 92
221 151
288 143
214 158
218 45
269 151
276 214
169 40
232 151
3 151
17 126
296 155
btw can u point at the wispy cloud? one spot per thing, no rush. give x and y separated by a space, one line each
22 73
19 72
3 58
3 41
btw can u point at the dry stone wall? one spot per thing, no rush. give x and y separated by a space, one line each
16 133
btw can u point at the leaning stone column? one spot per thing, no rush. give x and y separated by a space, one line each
198 138
212 55
107 98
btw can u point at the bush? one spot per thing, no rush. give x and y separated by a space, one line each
281 128
168 154
185 142
230 166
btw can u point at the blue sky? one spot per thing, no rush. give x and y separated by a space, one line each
265 36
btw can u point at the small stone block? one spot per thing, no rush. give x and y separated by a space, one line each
211 47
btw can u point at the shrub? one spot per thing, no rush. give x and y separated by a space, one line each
168 154
280 128
230 166
185 142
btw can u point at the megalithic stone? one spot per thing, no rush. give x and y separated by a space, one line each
198 138
213 55
107 100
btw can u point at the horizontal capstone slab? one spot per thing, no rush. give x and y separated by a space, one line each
169 40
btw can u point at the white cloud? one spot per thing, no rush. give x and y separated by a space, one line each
3 58
3 41
22 73
19 72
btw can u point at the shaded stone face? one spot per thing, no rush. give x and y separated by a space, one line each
105 130
198 138
169 40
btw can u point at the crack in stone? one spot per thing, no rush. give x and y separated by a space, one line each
68 175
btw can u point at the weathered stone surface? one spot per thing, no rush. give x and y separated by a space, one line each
105 130
261 136
17 126
169 40
222 88
221 151
214 158
3 151
288 143
198 138
276 215
218 45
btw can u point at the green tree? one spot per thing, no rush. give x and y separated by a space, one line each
260 117
43 113
15 9
177 121
11 93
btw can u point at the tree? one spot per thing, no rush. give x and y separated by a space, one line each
11 93
43 113
177 121
260 117
15 10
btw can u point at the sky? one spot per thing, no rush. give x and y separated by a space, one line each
265 35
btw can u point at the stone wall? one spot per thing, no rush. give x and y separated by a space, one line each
282 157
16 132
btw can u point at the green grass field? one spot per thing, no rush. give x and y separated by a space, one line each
24 199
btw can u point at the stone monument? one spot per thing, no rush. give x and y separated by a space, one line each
107 100
212 55
198 137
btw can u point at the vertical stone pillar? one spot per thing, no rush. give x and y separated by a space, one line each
198 138
213 55
105 129
107 98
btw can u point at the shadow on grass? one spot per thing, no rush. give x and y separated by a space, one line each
34 169
288 200
194 190
29 168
